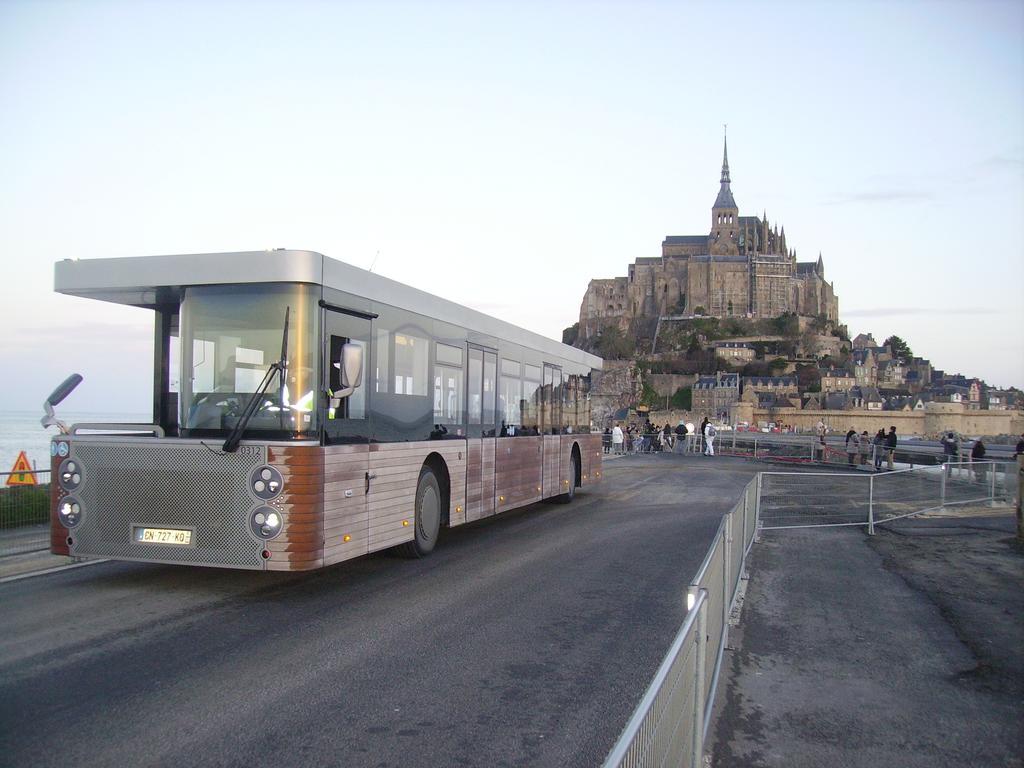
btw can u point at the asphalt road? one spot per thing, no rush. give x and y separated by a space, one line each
526 639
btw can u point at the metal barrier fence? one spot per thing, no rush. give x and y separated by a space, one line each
24 513
669 724
807 449
813 499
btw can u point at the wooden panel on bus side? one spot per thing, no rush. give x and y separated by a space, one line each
300 546
591 454
487 476
345 514
552 481
395 469
474 478
517 471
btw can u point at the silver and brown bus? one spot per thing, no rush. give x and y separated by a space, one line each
306 412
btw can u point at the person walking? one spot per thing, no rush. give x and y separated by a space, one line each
1019 450
852 446
617 439
950 446
978 454
865 447
681 436
821 430
606 440
702 434
890 447
709 439
879 446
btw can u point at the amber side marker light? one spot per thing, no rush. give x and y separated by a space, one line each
458 509
405 523
346 538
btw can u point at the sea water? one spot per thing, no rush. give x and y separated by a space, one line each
21 431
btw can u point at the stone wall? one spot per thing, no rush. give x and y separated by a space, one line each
666 384
932 422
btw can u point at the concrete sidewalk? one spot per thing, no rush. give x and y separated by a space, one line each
902 649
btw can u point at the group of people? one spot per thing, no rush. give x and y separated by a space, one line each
645 438
860 445
648 438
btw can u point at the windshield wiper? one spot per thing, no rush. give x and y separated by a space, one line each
281 368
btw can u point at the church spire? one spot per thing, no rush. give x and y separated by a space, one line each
725 198
725 159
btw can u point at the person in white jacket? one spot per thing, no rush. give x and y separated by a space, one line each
617 439
709 439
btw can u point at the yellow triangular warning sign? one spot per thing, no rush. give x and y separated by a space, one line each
22 472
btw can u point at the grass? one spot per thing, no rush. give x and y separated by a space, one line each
24 505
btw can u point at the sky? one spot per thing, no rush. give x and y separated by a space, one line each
503 154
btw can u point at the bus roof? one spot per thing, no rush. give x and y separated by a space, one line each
149 281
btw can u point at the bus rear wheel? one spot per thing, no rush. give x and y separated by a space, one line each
570 494
427 521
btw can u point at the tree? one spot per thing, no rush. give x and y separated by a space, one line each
683 399
808 378
650 397
900 349
778 364
613 345
570 334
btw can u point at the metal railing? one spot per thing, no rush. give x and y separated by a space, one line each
816 499
669 724
24 513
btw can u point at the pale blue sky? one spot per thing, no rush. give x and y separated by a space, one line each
502 154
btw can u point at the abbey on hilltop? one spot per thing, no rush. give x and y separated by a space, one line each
742 268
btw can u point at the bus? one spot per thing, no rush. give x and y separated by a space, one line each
306 412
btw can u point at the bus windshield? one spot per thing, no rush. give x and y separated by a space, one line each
230 335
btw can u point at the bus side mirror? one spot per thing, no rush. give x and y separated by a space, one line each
351 366
65 389
62 391
351 369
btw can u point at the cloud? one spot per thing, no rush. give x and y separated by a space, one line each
882 196
1013 160
906 311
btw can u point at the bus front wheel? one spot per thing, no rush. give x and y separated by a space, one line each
427 522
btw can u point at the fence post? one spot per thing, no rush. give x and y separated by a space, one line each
992 486
755 449
942 486
726 573
743 557
871 505
757 504
698 704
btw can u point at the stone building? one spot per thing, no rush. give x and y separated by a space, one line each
712 395
735 352
743 267
837 380
778 385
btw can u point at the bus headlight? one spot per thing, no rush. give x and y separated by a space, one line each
266 482
70 474
70 512
265 522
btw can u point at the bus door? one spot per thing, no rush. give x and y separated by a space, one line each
551 428
481 430
346 433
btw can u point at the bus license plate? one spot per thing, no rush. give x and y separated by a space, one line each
163 536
